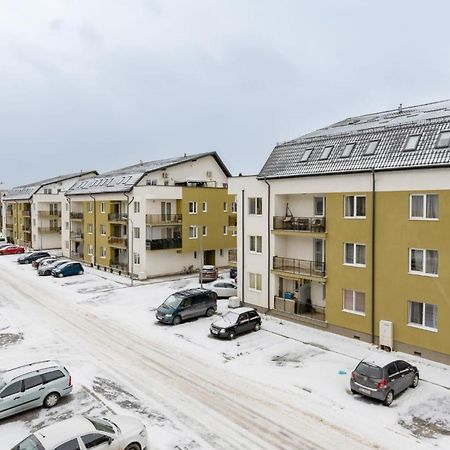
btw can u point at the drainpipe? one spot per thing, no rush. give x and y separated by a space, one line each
95 230
130 237
373 258
268 244
243 243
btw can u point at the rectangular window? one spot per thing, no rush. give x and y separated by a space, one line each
234 232
306 155
102 207
204 231
348 150
234 207
90 207
90 250
355 254
412 142
102 252
319 206
371 147
90 228
192 207
326 152
423 262
255 206
424 206
444 139
193 230
205 207
256 244
136 258
354 206
422 315
255 281
225 207
354 301
103 229
136 232
137 207
225 230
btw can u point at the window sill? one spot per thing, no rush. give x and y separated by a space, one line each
356 313
255 290
193 237
361 266
254 253
424 219
355 217
422 327
423 274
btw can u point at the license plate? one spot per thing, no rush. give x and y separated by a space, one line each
365 391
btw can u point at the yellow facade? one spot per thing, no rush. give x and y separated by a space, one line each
21 220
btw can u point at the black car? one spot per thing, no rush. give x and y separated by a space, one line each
383 379
233 273
28 258
237 321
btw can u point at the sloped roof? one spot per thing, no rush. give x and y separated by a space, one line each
26 191
391 128
124 179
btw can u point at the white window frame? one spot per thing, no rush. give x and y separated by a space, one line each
424 207
225 207
102 207
194 229
422 325
234 232
137 207
408 139
354 254
102 229
136 233
353 310
90 250
371 148
255 244
90 207
355 203
204 207
204 230
225 230
446 132
136 259
306 155
255 282
315 202
102 252
90 228
255 201
234 207
192 207
348 149
424 261
326 152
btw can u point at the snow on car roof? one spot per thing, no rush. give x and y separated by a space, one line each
242 309
10 374
379 358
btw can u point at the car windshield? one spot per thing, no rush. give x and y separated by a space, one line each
368 370
102 425
173 301
30 443
230 317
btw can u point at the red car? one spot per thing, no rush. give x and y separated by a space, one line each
12 250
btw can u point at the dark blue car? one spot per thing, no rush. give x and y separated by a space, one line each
68 269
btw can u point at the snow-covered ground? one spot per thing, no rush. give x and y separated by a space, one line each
286 386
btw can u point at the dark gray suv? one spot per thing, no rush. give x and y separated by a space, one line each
383 381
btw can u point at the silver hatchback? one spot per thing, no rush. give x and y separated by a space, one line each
41 383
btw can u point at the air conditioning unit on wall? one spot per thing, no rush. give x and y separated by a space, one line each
386 335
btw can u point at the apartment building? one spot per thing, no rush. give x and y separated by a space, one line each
32 212
3 192
344 229
153 218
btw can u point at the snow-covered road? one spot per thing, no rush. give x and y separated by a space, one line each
201 402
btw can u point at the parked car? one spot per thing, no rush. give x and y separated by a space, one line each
12 250
35 264
28 258
223 288
383 380
237 321
187 304
3 239
46 267
68 269
40 383
233 273
84 432
4 244
208 273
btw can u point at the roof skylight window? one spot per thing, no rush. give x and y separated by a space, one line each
348 150
444 139
412 141
326 152
306 155
371 148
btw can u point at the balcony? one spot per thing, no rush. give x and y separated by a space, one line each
115 264
26 213
77 256
117 217
164 244
232 257
76 216
49 214
232 220
293 225
76 235
303 268
163 219
300 309
46 230
118 241
9 226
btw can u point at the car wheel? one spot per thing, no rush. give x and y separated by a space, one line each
176 320
60 275
231 335
389 398
209 312
51 400
257 327
415 381
133 446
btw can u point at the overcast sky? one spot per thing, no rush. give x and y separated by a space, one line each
90 84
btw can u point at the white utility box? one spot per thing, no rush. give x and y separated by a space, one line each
386 335
234 302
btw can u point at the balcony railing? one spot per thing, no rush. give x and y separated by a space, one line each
49 214
9 226
77 256
44 230
299 266
76 216
118 265
311 224
76 235
299 308
117 217
26 213
232 256
163 219
164 244
116 241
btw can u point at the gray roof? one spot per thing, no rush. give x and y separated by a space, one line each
26 191
124 179
390 128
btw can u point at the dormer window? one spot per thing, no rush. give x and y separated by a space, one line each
411 143
371 148
326 152
348 150
306 155
444 139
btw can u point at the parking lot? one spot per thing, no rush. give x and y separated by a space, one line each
285 386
